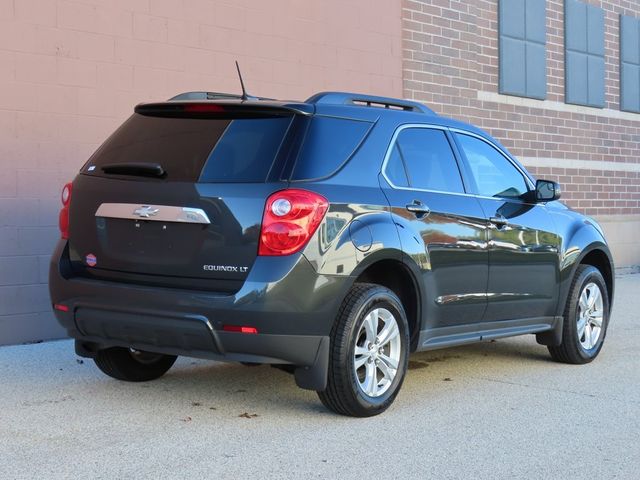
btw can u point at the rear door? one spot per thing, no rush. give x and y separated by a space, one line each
440 226
179 198
523 243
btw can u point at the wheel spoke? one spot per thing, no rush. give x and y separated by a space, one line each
594 293
596 319
587 336
584 302
582 323
388 361
389 373
370 385
371 326
360 361
595 334
360 351
388 333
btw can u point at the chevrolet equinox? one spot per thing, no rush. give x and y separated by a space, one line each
330 237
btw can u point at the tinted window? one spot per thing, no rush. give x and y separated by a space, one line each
188 149
395 168
246 151
328 144
495 176
424 155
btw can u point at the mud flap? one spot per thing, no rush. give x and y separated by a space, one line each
314 377
553 337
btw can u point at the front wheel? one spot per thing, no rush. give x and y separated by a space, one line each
586 317
369 352
133 365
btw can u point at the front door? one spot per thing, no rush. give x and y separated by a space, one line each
523 243
441 227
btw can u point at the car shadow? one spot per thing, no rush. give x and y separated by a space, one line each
193 387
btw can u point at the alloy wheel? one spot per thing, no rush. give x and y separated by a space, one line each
590 315
377 352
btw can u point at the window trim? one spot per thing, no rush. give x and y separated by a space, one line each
392 143
461 160
527 178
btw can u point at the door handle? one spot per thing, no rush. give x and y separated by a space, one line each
499 221
418 208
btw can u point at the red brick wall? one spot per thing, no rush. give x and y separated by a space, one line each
450 53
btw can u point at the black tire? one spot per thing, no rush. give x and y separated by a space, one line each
133 366
344 394
571 349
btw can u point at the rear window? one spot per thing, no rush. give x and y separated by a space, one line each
328 144
193 149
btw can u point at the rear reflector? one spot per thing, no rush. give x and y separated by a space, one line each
60 307
239 329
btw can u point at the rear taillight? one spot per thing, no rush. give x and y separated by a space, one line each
63 219
290 218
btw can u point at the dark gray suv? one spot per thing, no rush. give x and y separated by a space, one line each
330 237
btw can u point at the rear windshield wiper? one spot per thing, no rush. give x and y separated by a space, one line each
139 169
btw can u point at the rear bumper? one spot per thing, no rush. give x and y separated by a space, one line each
290 305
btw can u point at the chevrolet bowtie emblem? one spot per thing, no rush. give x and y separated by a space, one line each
145 211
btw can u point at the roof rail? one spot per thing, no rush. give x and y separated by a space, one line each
211 96
342 98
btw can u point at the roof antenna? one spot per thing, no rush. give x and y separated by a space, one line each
245 95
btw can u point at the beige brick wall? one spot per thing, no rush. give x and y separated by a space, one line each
71 72
450 52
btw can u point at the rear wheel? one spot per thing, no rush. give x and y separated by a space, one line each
586 318
369 352
133 365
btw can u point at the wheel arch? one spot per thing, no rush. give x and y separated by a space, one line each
598 255
392 273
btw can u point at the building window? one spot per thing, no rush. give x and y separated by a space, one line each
523 59
584 54
629 64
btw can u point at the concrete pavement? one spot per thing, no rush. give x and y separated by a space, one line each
492 410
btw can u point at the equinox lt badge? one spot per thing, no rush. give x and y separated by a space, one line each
225 268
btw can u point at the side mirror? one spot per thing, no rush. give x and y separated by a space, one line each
547 191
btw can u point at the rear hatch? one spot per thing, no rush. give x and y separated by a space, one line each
175 196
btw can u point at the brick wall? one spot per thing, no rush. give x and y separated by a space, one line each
71 71
450 53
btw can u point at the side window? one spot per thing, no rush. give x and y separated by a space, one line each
422 158
495 176
395 168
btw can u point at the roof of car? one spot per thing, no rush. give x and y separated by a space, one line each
355 105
